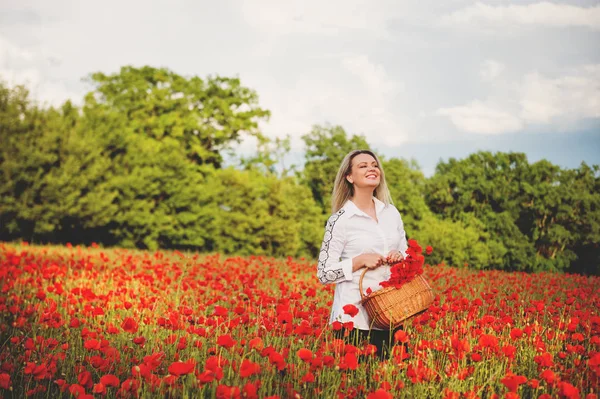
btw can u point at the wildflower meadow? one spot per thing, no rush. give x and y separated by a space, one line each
96 323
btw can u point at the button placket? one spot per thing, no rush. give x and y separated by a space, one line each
384 238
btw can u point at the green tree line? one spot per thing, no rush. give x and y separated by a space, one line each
140 164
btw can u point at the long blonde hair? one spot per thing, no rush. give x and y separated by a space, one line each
343 190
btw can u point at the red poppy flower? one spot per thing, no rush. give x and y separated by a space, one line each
336 325
129 325
77 390
370 349
544 360
534 383
110 380
220 311
548 376
248 368
206 377
512 381
594 363
488 341
350 310
256 343
568 390
182 368
4 381
227 392
448 394
226 341
509 351
91 344
516 333
277 359
250 391
350 361
401 336
349 325
308 378
99 388
85 379
304 354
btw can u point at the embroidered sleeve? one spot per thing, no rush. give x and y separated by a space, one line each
330 269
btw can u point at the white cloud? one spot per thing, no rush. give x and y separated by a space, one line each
572 97
317 17
380 68
357 95
373 76
491 69
27 66
480 118
10 52
29 76
535 14
535 99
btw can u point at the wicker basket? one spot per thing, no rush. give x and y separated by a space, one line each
390 307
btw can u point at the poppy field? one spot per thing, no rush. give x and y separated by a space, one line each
95 323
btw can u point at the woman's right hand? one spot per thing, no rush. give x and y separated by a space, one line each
369 260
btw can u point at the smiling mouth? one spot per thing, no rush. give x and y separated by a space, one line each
371 176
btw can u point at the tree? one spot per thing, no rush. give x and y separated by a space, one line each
562 209
270 157
53 176
247 212
163 134
204 116
407 188
158 191
459 244
583 198
536 212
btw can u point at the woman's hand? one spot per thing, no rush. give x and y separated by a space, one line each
394 257
370 261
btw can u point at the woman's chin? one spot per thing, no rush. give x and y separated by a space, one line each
371 184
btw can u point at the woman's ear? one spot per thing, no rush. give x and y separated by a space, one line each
349 178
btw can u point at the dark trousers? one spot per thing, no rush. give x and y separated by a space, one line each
382 339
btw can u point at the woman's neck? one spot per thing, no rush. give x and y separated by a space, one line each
363 199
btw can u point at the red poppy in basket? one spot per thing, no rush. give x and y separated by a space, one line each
408 268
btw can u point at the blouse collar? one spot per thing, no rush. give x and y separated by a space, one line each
351 208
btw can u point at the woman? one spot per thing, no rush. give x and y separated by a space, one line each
364 231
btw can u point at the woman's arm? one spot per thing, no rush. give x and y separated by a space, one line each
330 269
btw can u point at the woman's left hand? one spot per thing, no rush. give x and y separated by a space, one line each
394 257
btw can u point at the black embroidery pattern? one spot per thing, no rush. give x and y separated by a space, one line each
331 275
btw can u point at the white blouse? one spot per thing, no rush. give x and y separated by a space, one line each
349 233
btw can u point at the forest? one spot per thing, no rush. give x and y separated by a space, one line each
141 164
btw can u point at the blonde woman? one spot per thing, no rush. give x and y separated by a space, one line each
365 230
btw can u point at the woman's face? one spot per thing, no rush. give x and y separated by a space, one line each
365 172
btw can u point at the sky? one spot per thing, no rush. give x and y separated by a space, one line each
424 80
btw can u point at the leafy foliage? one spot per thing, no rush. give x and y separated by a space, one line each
539 213
204 115
140 165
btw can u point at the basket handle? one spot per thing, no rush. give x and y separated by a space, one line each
360 285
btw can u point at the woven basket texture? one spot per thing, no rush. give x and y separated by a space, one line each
390 307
